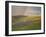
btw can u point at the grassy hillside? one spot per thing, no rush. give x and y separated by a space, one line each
35 23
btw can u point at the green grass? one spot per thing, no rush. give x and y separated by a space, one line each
36 23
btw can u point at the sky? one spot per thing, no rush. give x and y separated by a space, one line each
25 10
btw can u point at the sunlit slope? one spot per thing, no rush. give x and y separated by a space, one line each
35 20
26 18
